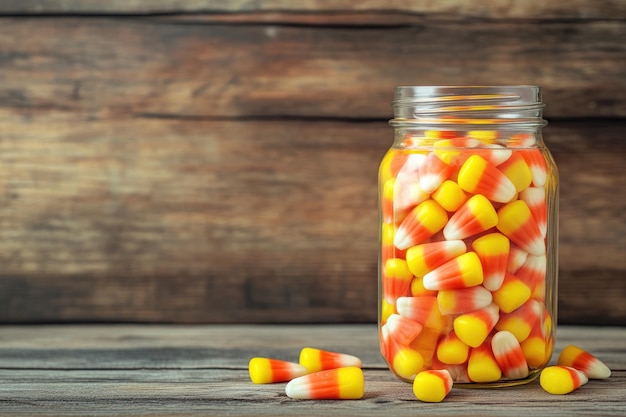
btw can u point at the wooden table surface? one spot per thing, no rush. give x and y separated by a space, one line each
172 370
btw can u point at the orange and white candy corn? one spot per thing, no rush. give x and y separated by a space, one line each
533 271
462 300
420 223
477 176
403 330
516 222
517 257
423 258
474 327
475 216
561 380
432 385
268 371
535 198
509 355
537 164
423 310
535 348
315 360
433 172
332 384
461 272
493 251
584 361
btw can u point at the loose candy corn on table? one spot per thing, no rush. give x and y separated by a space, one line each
172 370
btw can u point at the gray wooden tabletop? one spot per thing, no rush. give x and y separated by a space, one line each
176 370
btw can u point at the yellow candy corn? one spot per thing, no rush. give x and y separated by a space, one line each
396 279
516 169
268 371
449 195
432 386
482 365
451 350
333 384
315 360
474 327
511 294
561 380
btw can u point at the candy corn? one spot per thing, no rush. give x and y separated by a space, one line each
535 199
402 329
482 365
449 195
509 355
516 222
473 328
577 358
478 176
493 252
433 172
462 300
461 272
424 310
516 169
432 386
315 360
561 379
333 384
422 222
451 350
425 257
397 280
512 294
537 164
475 216
267 370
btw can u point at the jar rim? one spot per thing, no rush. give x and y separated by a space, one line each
468 105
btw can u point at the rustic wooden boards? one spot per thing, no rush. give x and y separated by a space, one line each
221 167
202 370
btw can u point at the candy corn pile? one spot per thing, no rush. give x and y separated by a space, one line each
325 375
464 257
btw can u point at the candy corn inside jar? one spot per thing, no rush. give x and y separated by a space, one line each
468 198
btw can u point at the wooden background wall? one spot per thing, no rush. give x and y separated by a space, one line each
215 161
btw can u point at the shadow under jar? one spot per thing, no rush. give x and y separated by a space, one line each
468 202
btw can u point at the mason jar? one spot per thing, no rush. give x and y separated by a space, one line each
468 202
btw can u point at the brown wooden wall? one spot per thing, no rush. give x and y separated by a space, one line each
211 161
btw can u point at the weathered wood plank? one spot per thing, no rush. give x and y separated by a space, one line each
583 9
217 382
196 221
110 68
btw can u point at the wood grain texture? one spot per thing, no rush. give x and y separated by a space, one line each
202 370
209 161
580 9
110 68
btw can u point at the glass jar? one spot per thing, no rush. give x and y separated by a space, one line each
468 202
